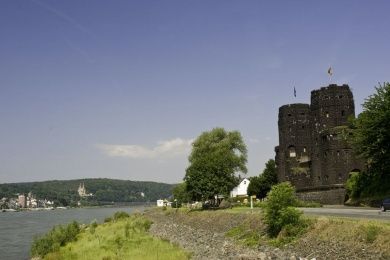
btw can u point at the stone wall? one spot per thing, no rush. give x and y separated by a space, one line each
328 197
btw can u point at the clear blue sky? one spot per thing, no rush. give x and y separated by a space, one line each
119 89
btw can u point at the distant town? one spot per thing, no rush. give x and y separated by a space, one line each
31 202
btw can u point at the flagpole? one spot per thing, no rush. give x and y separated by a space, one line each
330 73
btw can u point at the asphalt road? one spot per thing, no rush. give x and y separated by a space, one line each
339 211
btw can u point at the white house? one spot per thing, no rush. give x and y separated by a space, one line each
241 189
160 203
164 203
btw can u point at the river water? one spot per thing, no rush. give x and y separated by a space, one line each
17 229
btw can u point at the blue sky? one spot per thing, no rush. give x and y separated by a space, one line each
118 89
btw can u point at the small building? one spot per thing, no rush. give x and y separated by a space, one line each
241 189
160 203
22 201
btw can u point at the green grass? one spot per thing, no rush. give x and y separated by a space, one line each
242 209
125 238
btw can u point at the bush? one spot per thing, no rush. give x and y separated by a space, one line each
54 239
278 210
176 204
93 226
120 215
225 204
371 232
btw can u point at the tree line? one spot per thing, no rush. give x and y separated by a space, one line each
64 192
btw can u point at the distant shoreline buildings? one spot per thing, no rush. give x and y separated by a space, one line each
25 202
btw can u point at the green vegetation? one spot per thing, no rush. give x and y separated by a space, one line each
279 222
354 234
54 239
64 193
307 204
251 232
371 139
215 159
261 185
180 194
343 234
280 216
124 237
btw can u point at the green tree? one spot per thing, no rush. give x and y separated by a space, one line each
371 133
180 193
371 140
215 159
261 185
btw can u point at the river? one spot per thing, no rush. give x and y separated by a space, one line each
17 229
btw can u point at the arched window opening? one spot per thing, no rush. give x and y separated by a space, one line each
291 151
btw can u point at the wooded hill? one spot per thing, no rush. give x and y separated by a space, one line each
64 192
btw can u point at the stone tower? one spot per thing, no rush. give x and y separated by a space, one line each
313 153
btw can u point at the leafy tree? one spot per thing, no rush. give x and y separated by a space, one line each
371 134
180 193
371 140
215 159
261 185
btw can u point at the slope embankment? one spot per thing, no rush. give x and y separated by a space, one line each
231 235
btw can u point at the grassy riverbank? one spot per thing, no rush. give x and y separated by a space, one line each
218 234
121 238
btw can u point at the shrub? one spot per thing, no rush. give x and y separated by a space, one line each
58 236
278 210
120 215
176 204
225 204
93 226
371 232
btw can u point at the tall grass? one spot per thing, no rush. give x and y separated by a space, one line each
125 237
54 239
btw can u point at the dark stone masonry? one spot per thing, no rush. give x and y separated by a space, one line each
313 153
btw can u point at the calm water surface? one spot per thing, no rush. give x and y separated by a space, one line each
17 229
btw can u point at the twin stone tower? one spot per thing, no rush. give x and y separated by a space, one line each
313 152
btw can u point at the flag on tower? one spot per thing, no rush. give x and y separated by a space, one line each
330 71
295 92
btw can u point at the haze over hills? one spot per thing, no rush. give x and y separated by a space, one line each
65 192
